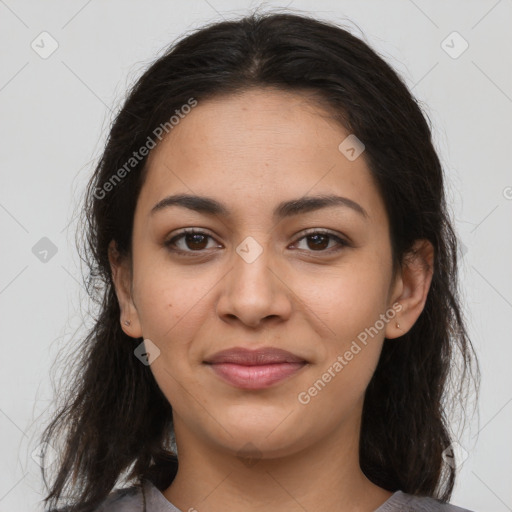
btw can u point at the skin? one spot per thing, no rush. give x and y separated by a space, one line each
252 151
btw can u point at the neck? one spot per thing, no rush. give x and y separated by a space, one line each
322 477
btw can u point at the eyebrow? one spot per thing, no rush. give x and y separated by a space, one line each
210 206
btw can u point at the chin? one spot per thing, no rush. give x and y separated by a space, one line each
266 436
257 420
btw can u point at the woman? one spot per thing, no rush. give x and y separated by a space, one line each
279 310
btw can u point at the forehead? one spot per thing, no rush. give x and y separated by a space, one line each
255 149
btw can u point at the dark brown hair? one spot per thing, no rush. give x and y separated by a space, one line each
115 420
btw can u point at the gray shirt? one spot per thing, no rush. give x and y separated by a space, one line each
131 500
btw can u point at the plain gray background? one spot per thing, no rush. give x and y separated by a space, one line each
55 113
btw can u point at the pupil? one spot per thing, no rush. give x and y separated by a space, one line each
196 239
320 244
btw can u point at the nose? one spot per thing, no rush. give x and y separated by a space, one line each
255 292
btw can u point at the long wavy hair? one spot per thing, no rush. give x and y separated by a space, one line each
115 421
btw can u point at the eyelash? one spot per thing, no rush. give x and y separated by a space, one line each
170 243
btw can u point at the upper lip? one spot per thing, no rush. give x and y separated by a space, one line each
262 356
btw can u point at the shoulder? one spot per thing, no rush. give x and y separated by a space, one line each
122 500
402 502
128 499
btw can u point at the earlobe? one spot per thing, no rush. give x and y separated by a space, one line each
416 277
121 279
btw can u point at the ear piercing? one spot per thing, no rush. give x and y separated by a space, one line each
397 325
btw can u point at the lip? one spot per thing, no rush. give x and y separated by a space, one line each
255 369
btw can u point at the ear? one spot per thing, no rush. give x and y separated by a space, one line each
122 279
411 287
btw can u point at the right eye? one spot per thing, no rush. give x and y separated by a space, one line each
192 241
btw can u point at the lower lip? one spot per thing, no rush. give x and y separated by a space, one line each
255 377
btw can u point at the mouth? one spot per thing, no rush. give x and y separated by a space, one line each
255 369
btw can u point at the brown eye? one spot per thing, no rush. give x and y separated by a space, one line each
196 241
318 241
189 241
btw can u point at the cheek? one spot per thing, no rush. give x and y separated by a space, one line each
159 307
173 306
167 298
171 312
338 388
351 305
347 299
350 302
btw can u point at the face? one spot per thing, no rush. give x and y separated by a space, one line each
316 282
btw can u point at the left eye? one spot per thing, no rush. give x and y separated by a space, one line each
197 241
319 240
